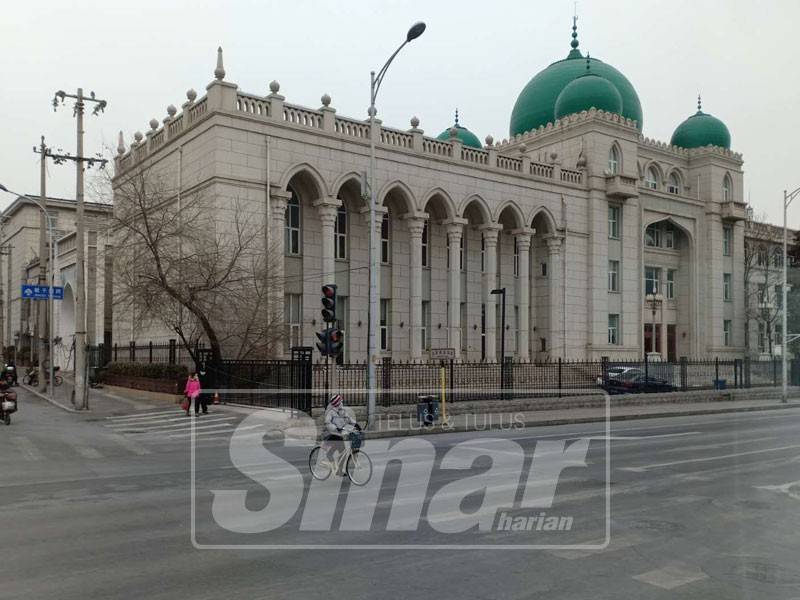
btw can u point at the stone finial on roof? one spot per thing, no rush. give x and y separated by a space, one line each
191 94
326 100
414 122
153 124
274 86
171 111
121 145
138 137
219 72
489 140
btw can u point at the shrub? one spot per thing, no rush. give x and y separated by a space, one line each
148 370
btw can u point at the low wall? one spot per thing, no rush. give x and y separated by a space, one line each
147 384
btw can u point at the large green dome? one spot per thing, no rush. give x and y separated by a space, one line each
462 133
701 129
586 92
535 105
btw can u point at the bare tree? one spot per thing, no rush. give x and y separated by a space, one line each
198 265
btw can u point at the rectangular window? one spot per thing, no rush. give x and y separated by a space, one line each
461 253
516 258
516 329
483 332
385 239
613 276
669 238
652 278
384 324
483 254
426 325
727 240
778 334
652 237
779 296
726 287
762 295
613 329
464 326
670 284
726 332
447 250
777 258
761 257
613 222
762 337
542 344
292 240
426 259
341 323
543 269
340 234
293 310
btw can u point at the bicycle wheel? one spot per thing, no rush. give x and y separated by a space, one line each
318 464
7 418
58 379
359 467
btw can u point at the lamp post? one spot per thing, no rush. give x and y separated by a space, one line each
654 300
51 275
787 200
502 292
414 32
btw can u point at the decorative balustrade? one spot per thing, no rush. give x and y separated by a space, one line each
436 147
400 139
540 170
351 128
473 155
252 105
198 110
175 126
508 163
569 176
302 116
157 140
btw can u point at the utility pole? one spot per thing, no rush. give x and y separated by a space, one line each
41 307
81 399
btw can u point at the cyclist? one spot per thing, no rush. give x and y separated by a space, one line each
338 424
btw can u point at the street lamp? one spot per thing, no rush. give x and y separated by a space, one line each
51 277
787 200
502 292
414 32
654 301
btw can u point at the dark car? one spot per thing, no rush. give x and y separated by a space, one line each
638 383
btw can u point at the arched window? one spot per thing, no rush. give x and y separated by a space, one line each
651 178
385 239
674 184
340 233
727 189
614 160
426 247
293 225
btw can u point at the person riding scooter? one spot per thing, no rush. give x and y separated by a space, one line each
8 402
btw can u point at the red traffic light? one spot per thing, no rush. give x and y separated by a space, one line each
329 291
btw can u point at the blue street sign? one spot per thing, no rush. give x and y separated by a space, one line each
41 292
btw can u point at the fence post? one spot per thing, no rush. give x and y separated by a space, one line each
132 351
172 352
684 373
774 371
387 381
559 377
604 369
115 352
746 373
150 351
452 381
646 368
736 373
716 373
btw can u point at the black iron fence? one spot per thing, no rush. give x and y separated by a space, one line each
169 353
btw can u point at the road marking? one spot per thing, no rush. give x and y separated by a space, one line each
644 468
27 447
644 437
671 576
784 488
127 444
85 451
184 424
720 445
140 415
187 434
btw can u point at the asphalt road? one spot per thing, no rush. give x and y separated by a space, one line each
97 507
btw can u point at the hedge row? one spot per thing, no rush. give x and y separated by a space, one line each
149 370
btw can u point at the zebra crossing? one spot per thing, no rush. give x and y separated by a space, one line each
166 425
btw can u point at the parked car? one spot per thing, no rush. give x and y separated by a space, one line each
638 383
619 372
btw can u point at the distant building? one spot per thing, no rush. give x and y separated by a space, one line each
19 263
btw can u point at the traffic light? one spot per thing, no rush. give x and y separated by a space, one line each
331 339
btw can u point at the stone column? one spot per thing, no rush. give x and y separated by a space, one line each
276 253
455 229
490 234
379 212
415 225
554 274
327 209
523 239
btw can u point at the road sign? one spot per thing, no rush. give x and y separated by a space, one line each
443 353
41 292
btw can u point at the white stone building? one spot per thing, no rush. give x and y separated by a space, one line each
577 214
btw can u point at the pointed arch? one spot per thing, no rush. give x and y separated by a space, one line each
398 191
727 187
674 182
443 200
544 213
343 179
615 161
312 180
512 209
347 188
653 174
476 202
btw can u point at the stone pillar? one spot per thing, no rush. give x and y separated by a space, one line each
278 201
416 224
379 212
327 209
554 274
490 234
455 229
523 239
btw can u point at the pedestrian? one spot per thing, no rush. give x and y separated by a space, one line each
193 393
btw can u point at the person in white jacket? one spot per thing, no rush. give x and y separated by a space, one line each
338 424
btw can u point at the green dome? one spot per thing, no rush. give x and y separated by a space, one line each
700 130
465 135
535 105
585 92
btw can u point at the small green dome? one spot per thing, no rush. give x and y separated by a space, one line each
585 92
701 129
465 135
535 105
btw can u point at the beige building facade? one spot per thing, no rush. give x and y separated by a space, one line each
579 218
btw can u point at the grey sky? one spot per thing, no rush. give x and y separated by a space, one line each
477 56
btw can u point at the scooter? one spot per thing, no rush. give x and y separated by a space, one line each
8 405
10 373
32 376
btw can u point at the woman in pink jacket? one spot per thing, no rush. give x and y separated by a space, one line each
193 393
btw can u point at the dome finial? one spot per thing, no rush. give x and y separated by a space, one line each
699 104
574 43
588 65
456 117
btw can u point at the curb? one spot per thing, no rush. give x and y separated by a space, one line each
573 421
53 402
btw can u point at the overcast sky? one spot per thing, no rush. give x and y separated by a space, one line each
477 56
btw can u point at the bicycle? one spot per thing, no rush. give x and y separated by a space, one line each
352 460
